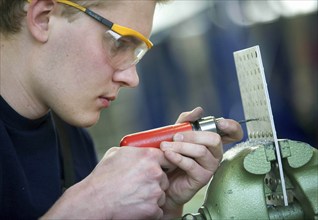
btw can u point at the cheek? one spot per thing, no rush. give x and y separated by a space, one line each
85 63
91 61
80 74
91 78
77 54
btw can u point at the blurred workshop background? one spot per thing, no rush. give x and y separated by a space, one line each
192 65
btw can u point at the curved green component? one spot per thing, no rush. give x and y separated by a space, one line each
259 160
234 193
304 178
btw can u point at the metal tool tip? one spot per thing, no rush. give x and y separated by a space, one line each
248 120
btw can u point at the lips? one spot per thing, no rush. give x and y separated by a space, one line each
105 101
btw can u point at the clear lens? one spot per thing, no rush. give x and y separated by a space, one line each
124 51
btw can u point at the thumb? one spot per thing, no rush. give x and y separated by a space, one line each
193 115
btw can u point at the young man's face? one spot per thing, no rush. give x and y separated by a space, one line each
74 75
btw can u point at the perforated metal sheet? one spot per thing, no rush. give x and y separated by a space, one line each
256 102
254 93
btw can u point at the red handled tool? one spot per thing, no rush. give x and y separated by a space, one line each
153 138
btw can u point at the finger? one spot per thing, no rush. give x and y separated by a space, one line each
209 139
157 175
231 130
193 115
164 183
165 164
157 155
191 167
162 199
199 153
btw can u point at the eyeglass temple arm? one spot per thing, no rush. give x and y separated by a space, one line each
102 20
99 18
106 22
92 14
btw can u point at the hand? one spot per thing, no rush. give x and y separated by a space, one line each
197 155
128 183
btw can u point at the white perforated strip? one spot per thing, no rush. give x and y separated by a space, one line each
256 102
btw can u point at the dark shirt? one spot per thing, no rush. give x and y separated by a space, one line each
31 165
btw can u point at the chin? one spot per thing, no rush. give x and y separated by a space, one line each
83 120
88 122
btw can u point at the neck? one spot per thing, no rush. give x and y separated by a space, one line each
16 80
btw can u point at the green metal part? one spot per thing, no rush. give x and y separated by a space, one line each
247 184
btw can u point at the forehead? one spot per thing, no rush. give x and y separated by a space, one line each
135 14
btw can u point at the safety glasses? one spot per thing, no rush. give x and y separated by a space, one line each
125 46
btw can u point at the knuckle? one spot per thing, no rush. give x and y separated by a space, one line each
158 192
150 153
184 114
111 152
202 151
155 173
191 165
113 149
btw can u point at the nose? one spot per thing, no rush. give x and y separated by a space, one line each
128 77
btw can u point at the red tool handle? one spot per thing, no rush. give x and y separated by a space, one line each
153 138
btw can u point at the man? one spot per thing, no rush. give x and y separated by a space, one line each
58 55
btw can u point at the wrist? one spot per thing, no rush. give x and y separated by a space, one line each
60 208
79 201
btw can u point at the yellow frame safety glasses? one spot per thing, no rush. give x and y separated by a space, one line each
121 30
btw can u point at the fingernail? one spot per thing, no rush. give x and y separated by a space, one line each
178 137
222 124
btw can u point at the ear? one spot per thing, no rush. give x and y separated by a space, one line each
38 17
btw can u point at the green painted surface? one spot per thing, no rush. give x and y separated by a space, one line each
246 186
